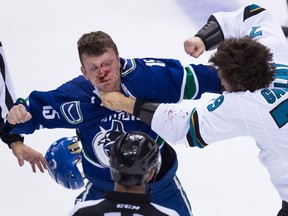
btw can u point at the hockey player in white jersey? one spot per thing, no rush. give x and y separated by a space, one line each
258 23
252 21
249 106
242 110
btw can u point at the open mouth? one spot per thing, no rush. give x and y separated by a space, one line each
104 78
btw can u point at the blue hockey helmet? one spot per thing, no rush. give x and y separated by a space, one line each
132 156
63 158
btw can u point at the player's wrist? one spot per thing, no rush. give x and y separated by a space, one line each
211 34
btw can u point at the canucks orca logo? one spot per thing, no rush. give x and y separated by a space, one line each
103 141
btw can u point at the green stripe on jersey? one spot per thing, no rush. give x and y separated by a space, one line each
190 87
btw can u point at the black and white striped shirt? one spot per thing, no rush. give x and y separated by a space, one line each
121 204
7 98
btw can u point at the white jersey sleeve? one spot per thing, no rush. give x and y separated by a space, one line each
171 121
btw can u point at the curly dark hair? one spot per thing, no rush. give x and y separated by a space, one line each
95 43
244 64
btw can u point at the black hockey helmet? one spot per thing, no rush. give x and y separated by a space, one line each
132 156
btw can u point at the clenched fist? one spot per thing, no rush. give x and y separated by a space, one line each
117 101
194 46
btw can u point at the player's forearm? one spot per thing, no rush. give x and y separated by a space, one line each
145 110
211 34
171 121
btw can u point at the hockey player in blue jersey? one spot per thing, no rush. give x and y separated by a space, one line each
76 104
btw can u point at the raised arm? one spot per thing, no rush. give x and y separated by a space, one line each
207 38
251 21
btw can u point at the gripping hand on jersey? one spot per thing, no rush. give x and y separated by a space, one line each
194 46
117 101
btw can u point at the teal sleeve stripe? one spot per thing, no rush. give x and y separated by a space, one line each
281 73
194 137
281 66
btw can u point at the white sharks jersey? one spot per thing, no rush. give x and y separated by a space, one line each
260 24
263 115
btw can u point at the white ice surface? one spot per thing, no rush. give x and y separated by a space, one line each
39 39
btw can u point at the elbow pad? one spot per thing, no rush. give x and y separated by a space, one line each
145 111
211 34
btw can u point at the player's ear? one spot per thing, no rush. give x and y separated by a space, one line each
118 60
83 72
151 174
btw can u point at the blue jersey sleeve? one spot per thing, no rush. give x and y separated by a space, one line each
153 79
201 79
167 81
72 105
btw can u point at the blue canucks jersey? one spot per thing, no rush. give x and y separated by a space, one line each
76 104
